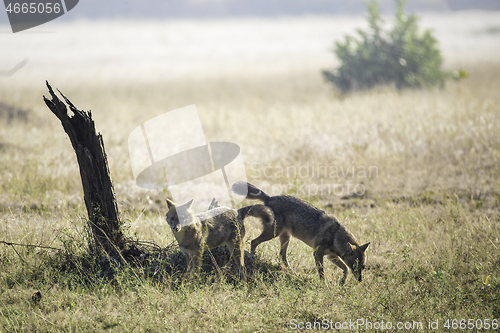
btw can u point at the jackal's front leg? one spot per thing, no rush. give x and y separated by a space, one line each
194 262
318 258
337 261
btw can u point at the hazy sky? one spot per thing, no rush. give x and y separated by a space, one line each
154 9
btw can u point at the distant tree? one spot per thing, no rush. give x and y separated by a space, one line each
402 56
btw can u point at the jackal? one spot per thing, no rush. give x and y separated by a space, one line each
218 226
298 218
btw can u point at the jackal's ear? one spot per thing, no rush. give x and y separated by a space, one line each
364 246
188 204
350 248
170 204
213 204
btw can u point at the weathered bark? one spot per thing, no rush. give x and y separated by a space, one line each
98 189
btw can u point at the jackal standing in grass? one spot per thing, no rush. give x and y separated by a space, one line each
215 227
298 218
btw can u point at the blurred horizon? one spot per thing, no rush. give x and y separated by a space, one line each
199 9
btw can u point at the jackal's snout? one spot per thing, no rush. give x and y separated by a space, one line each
357 274
175 225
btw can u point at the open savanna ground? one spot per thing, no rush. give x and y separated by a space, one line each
414 172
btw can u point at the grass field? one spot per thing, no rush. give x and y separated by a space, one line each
416 173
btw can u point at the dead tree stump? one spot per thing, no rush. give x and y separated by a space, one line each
98 191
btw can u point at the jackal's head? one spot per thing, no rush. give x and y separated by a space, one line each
355 259
177 216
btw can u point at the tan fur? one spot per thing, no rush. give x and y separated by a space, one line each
202 231
298 218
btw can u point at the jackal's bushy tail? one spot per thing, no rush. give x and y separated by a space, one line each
251 191
263 212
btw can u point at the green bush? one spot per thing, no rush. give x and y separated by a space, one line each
402 56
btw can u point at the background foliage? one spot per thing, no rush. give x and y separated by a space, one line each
402 55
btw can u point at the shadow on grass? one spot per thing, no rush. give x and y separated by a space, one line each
217 267
77 268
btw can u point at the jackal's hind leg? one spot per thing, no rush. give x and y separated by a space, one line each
237 251
284 241
268 233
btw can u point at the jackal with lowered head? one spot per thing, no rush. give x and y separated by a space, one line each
298 218
215 227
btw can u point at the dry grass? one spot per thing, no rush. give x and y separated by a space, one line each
430 209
